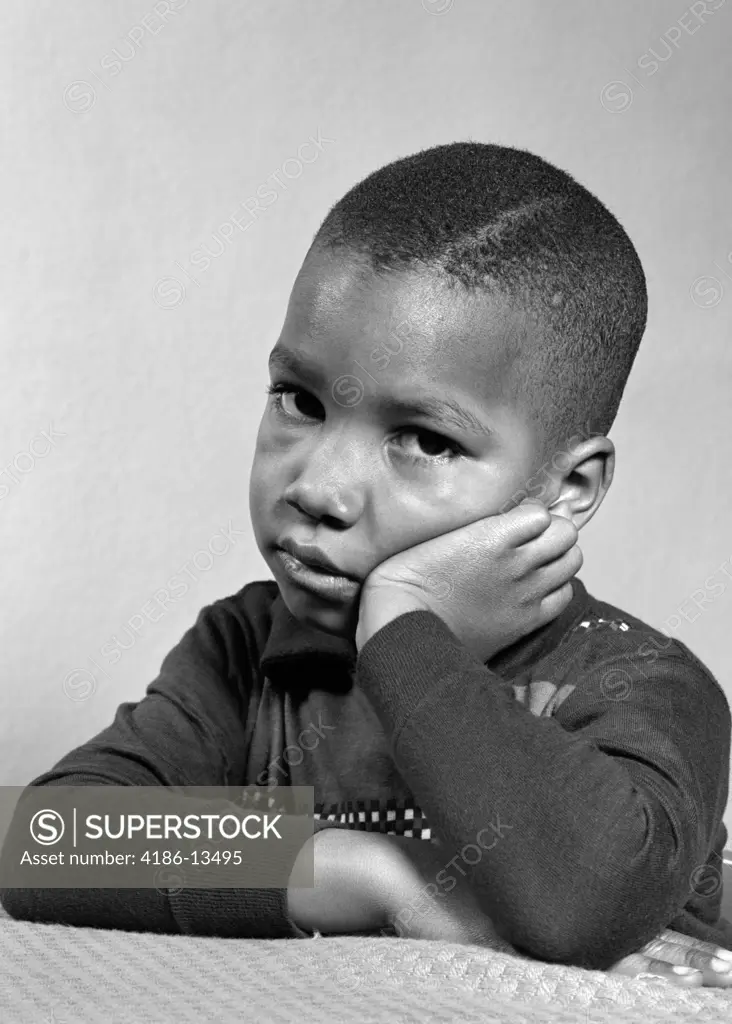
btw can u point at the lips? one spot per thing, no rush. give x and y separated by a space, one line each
314 558
309 569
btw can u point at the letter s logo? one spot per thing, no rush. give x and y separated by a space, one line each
347 390
47 827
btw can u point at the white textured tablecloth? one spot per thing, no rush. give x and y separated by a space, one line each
52 974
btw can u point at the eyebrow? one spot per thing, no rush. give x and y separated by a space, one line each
445 410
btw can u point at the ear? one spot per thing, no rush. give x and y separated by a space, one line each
583 481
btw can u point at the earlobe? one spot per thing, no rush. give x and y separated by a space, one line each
586 481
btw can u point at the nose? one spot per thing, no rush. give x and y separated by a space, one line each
329 488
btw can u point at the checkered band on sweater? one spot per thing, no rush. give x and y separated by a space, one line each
397 817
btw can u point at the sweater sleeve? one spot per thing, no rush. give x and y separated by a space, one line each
583 832
188 730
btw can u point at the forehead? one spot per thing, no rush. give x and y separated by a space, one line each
437 336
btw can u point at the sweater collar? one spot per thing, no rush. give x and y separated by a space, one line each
292 645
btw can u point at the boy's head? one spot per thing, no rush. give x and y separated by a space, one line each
468 279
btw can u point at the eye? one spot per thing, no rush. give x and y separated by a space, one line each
432 446
309 406
294 402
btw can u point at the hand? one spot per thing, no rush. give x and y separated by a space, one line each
492 582
705 964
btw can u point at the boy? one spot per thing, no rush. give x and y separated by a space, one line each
457 342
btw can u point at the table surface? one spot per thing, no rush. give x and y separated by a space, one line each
54 974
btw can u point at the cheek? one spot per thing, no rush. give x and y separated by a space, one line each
409 516
262 479
257 499
413 517
265 443
482 490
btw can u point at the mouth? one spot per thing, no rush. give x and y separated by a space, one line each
311 568
314 558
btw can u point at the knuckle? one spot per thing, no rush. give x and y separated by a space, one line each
542 516
696 958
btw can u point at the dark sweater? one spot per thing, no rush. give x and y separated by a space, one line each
587 765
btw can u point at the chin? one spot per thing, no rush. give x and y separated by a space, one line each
314 612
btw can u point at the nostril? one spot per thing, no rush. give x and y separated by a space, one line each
323 501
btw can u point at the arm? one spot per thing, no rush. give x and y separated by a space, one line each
364 880
188 730
347 895
579 839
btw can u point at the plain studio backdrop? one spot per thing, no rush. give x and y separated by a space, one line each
142 139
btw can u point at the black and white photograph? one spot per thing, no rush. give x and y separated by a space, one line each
365 452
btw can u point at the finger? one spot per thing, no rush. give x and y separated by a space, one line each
700 955
523 523
559 537
553 583
712 979
555 574
637 965
679 939
554 604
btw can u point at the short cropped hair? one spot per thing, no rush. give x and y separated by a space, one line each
502 220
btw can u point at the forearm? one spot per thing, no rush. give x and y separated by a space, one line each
232 912
572 852
349 883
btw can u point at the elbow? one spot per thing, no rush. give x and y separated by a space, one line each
616 911
593 950
591 933
576 943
